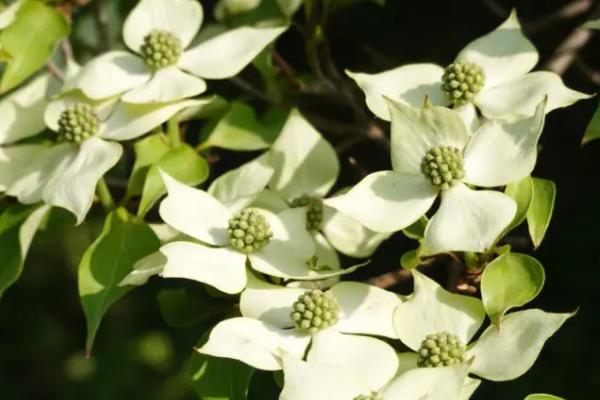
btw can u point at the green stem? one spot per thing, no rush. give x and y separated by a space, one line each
104 194
173 131
471 260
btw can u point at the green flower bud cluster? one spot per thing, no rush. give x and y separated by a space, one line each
249 231
161 49
371 396
443 166
77 123
440 350
314 211
314 311
462 81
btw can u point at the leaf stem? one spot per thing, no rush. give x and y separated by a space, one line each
104 194
173 131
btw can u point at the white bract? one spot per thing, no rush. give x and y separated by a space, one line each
266 327
352 371
503 59
433 153
501 353
218 256
165 67
65 172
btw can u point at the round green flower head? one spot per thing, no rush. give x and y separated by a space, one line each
440 350
249 231
161 49
462 81
443 166
77 123
314 211
371 396
314 311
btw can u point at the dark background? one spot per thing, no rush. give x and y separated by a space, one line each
140 350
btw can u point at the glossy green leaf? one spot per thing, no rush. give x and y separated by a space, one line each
541 396
183 164
216 378
592 132
30 40
410 259
148 151
511 280
18 225
123 241
593 24
541 208
522 192
239 129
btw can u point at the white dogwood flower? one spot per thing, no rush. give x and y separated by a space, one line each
276 319
434 154
334 371
435 318
491 73
166 65
227 236
64 172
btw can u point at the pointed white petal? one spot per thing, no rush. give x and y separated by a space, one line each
167 84
386 201
373 359
269 303
225 55
222 268
317 381
504 53
504 151
432 310
365 309
442 383
182 18
304 162
194 212
468 220
469 387
289 250
523 94
254 342
408 84
349 236
75 186
126 71
506 352
416 130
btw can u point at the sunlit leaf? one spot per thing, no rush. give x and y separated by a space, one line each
541 208
522 192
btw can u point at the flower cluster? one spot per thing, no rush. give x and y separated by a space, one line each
273 234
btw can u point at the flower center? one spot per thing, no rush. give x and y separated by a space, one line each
161 49
77 123
314 211
443 166
370 396
249 231
462 81
314 311
440 350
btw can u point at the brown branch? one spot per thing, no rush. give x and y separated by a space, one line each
55 71
571 10
590 73
390 279
495 8
287 71
566 52
246 86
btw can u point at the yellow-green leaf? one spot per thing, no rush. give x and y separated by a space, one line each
592 132
541 209
522 192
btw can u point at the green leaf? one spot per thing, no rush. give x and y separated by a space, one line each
541 396
511 280
239 129
30 40
123 241
18 225
592 132
541 208
522 192
214 378
416 231
593 24
183 164
148 151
